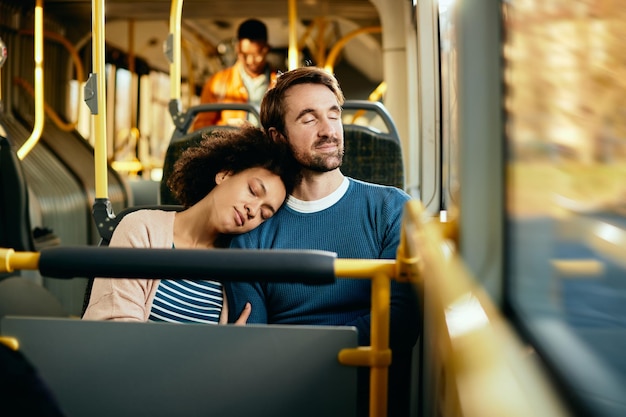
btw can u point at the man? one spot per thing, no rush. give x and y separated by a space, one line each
328 211
244 82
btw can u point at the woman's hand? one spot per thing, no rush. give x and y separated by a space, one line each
243 318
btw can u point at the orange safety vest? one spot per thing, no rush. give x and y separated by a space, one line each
225 86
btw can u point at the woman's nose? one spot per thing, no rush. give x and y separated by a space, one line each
251 210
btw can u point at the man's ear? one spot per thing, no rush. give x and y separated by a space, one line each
221 176
276 136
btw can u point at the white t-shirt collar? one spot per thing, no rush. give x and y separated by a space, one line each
302 206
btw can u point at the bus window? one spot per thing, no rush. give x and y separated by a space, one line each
566 194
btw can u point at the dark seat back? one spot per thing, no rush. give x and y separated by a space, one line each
22 297
184 120
371 154
18 295
279 367
182 139
15 228
372 157
175 149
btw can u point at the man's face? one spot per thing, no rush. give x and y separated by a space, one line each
313 126
253 56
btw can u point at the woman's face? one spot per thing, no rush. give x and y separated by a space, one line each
244 200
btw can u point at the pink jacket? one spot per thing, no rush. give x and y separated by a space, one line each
131 299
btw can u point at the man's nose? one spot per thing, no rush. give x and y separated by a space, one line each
328 127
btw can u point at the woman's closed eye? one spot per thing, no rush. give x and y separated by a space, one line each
266 213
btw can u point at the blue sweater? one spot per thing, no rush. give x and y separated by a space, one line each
363 224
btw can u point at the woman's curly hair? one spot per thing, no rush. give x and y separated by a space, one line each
231 150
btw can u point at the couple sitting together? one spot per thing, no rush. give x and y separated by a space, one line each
276 188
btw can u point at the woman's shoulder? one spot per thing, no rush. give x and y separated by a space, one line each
145 228
148 215
147 218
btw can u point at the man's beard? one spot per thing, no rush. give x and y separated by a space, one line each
322 163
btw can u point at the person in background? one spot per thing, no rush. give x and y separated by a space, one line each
244 82
328 211
229 184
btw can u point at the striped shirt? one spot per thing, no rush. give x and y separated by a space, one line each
185 301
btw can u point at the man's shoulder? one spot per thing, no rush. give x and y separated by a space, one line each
370 188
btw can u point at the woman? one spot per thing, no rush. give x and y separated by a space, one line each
230 184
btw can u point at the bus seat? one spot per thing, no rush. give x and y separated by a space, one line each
371 154
183 121
144 191
200 370
22 297
175 149
372 157
75 156
182 139
14 217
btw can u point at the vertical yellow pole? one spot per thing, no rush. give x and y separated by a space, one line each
133 102
99 118
321 40
176 12
39 105
381 296
292 55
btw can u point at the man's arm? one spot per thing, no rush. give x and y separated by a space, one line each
240 293
404 309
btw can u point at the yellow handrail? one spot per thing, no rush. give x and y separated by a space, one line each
39 115
191 79
11 342
377 356
475 364
334 52
176 12
292 54
319 47
374 96
80 77
52 114
99 118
